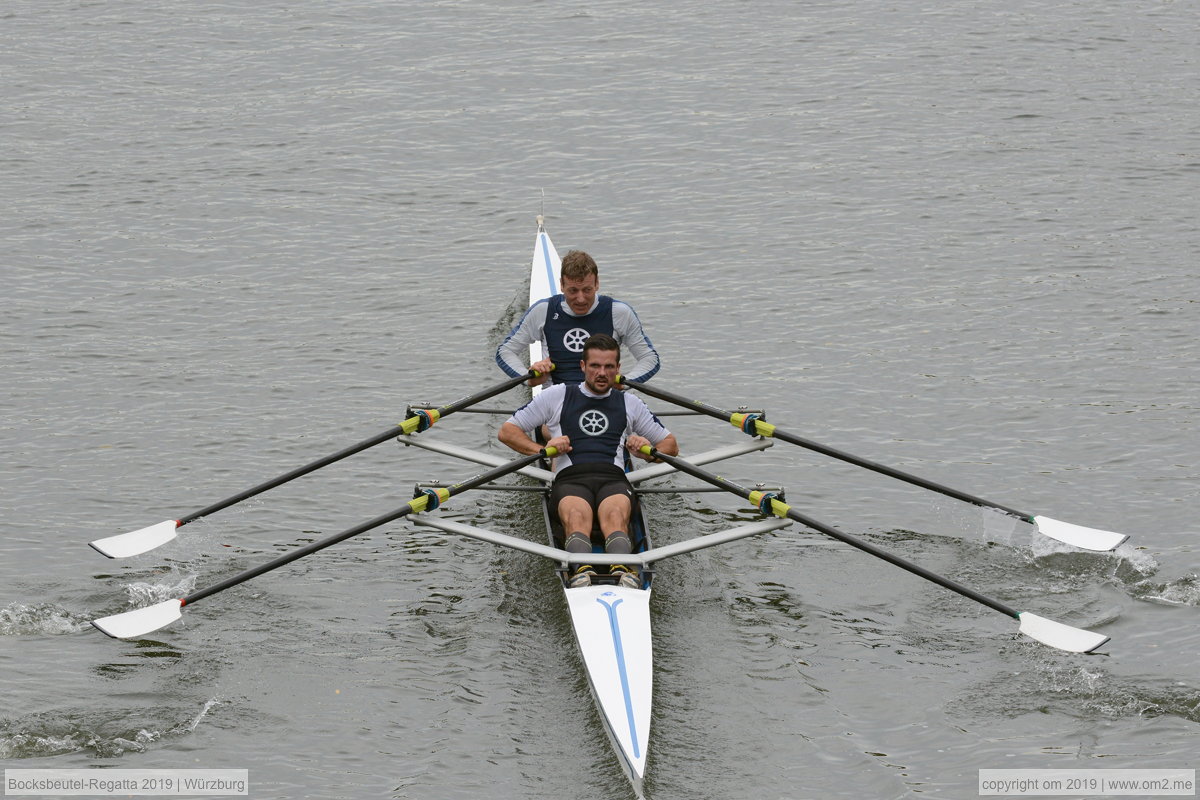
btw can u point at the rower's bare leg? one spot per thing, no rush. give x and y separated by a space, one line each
614 513
575 513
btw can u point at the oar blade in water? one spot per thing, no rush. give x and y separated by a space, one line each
1079 535
1056 634
134 543
138 623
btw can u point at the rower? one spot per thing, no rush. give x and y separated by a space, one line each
563 322
591 426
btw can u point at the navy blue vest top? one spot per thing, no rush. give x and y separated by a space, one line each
594 424
565 335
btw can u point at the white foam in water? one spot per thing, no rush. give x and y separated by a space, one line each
1182 592
195 722
144 594
1000 528
20 619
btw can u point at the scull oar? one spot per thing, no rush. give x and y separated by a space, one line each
145 539
137 623
1066 532
1046 631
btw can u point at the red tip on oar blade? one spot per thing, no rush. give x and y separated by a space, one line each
1056 634
136 542
138 623
1080 536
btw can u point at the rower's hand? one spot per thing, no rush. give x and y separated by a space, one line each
560 443
634 445
543 368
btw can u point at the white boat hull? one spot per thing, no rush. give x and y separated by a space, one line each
543 281
612 627
612 624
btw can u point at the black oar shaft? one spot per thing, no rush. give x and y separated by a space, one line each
916 569
391 432
288 558
841 455
418 504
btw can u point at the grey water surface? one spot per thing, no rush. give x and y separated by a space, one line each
959 238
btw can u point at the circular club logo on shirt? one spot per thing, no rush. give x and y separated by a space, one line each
573 339
593 422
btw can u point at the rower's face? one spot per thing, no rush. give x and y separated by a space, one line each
580 294
600 369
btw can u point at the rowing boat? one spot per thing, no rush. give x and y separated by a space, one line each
611 623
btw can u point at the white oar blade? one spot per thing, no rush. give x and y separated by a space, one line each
1056 634
136 542
1079 536
135 624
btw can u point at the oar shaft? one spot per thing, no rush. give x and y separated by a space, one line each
782 509
418 504
764 429
405 427
390 433
895 473
288 558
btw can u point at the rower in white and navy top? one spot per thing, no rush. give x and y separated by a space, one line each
592 426
563 322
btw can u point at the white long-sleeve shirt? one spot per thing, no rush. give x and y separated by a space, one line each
513 352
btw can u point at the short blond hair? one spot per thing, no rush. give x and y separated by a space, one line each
577 265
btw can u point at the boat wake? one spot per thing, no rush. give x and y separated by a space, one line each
21 619
1073 689
61 733
1183 591
1135 571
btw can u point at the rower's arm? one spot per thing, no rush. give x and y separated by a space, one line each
668 445
513 352
515 438
512 436
628 330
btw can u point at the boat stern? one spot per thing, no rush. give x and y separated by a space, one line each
612 627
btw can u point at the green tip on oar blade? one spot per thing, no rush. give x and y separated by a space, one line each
136 542
138 623
1079 536
1056 634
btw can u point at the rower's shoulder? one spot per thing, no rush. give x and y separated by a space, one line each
631 399
551 394
536 313
619 306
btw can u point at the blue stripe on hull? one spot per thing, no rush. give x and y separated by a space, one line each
546 258
615 626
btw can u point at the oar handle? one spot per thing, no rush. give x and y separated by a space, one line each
417 504
781 509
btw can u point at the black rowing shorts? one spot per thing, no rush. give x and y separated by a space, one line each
593 482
